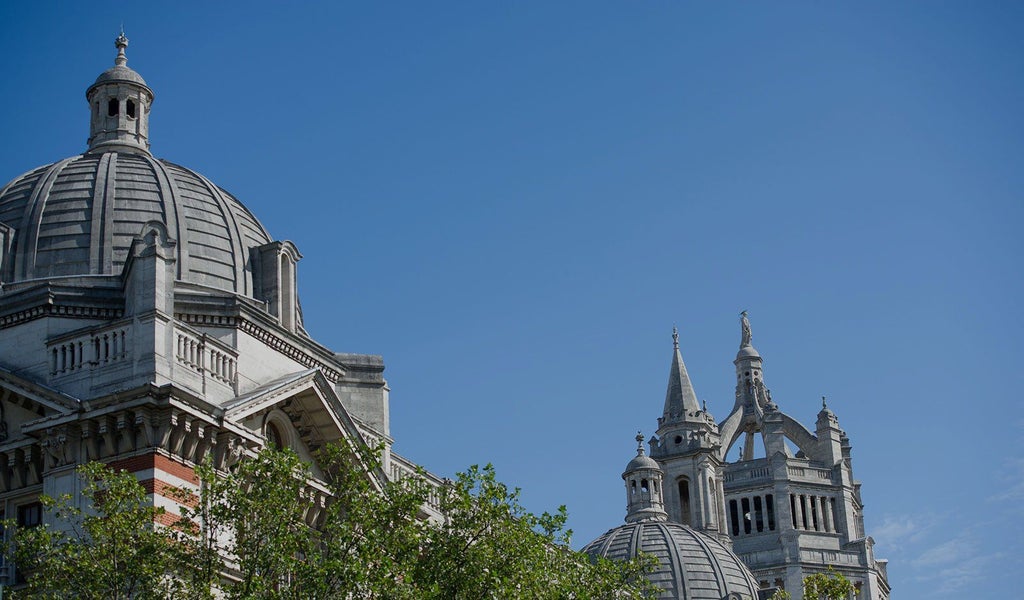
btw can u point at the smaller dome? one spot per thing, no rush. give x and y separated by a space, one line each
120 73
690 565
642 461
747 351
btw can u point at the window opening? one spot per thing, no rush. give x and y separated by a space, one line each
746 514
129 109
644 487
758 514
274 436
30 515
684 502
734 518
112 107
769 505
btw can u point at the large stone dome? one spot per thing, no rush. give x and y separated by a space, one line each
691 566
78 216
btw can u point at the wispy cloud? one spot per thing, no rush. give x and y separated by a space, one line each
899 533
947 553
1012 486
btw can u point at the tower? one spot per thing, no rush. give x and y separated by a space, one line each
797 510
687 445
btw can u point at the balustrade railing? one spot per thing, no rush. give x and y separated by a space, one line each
89 350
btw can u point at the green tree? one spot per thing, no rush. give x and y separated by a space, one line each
244 533
489 546
108 549
247 534
830 586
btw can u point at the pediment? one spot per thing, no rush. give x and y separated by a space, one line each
304 409
23 402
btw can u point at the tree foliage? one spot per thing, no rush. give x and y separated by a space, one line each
111 551
246 534
830 586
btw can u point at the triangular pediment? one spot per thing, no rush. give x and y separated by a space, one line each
314 414
25 402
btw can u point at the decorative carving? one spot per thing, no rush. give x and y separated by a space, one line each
55 445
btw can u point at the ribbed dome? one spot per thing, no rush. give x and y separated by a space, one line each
119 73
79 216
642 461
691 566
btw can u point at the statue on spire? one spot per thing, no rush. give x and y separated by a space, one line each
675 337
745 325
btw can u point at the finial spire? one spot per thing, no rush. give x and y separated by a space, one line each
823 405
639 443
675 337
121 43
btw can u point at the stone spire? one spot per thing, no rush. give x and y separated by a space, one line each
644 494
680 399
119 103
121 43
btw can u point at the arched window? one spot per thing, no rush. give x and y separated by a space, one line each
274 436
685 512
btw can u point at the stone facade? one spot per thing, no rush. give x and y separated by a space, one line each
148 320
793 512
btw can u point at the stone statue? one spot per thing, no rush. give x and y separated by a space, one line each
745 324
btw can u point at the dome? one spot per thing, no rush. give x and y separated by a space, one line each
119 73
691 566
747 351
79 216
642 461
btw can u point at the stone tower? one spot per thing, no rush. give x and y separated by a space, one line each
687 445
797 510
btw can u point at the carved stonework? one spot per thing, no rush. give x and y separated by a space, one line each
55 447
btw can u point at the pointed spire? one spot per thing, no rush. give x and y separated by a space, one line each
121 43
680 399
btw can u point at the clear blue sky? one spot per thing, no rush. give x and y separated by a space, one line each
514 202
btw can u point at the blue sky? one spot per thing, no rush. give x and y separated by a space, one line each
514 202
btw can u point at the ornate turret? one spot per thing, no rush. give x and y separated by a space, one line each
119 102
643 477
